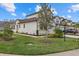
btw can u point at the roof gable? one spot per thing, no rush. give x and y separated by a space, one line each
27 20
32 14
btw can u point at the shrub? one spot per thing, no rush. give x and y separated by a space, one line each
50 36
1 35
7 34
16 31
58 33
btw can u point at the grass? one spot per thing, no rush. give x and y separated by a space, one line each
24 45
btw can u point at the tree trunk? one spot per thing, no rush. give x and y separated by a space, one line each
37 33
46 34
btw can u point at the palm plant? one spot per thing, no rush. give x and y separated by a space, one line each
45 18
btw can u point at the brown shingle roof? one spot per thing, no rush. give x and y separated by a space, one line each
28 20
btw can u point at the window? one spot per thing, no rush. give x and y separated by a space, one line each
19 25
23 25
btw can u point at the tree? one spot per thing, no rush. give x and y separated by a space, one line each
45 18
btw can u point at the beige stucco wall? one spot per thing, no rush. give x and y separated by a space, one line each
30 28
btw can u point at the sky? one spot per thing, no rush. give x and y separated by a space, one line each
20 10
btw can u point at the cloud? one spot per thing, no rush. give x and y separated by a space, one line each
10 7
69 11
24 14
68 16
37 8
13 14
75 7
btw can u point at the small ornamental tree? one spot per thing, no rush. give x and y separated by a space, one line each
45 18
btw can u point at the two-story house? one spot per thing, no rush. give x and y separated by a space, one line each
31 26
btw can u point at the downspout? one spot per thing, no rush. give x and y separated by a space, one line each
37 33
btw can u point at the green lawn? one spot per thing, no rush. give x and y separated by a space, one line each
22 45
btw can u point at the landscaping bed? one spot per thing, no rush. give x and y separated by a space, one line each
24 45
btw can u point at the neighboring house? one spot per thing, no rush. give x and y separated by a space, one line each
57 21
2 25
30 26
5 23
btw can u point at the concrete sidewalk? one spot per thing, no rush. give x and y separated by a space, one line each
29 35
72 36
66 53
2 54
